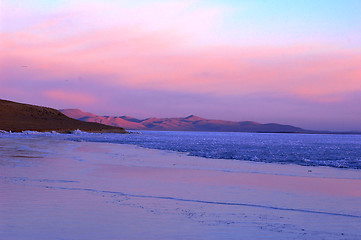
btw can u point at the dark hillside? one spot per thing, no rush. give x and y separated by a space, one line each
19 117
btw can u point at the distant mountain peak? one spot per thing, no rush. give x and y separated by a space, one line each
131 119
193 118
126 116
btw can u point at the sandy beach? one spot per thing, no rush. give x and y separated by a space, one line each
56 189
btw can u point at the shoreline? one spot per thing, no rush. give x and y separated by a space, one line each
337 160
277 167
168 194
132 131
245 166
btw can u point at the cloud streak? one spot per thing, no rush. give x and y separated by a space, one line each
69 97
159 60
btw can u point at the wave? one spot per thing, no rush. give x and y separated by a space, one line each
337 151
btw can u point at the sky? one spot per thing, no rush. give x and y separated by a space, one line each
289 62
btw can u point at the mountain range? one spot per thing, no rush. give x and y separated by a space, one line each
189 123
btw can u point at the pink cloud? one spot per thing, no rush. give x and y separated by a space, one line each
164 60
69 97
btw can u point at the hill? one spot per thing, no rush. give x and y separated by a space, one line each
190 123
19 117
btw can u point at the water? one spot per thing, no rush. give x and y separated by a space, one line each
56 189
340 151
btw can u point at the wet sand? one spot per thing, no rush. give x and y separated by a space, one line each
56 189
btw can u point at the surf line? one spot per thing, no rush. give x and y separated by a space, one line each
201 201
